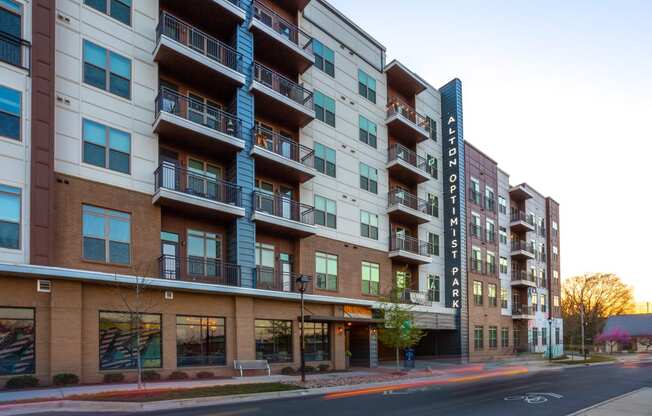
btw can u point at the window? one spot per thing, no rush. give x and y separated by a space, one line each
106 147
324 108
434 288
477 292
204 253
492 294
503 265
557 336
489 201
491 230
542 299
433 244
432 166
119 340
555 274
369 225
491 263
544 336
325 212
10 207
433 128
504 337
324 57
475 191
317 341
555 226
493 337
106 235
17 341
368 132
325 159
503 235
504 297
326 271
433 205
476 259
273 340
10 112
370 278
478 337
201 341
555 253
118 9
368 178
555 301
535 302
11 22
502 205
535 336
476 226
107 70
366 86
403 279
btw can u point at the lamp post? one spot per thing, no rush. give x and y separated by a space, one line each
302 282
550 339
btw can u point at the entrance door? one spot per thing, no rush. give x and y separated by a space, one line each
169 252
358 340
286 202
285 261
265 266
169 164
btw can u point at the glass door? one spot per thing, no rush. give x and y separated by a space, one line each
265 265
169 164
286 202
169 253
285 260
266 199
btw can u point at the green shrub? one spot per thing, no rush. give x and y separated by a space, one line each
288 371
21 382
178 375
114 378
310 369
151 375
65 379
205 374
323 367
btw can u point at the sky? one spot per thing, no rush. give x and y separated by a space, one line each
560 94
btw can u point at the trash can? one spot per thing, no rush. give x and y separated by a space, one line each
408 358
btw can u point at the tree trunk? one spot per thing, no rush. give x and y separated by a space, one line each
140 370
398 362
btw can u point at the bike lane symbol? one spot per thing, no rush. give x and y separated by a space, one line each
534 398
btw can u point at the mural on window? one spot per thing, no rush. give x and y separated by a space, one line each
16 341
118 341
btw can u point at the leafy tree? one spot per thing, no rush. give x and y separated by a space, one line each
399 331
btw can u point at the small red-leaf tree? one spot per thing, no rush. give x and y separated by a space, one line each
613 337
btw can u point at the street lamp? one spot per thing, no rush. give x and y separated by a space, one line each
302 282
550 339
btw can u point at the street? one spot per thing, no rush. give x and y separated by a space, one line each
559 392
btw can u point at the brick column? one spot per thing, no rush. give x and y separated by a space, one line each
244 329
66 328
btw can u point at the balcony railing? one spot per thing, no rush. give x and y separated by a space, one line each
417 297
400 152
283 146
15 51
521 216
522 310
397 196
523 275
283 207
176 178
396 106
269 278
282 27
409 244
198 41
170 101
518 245
282 85
199 269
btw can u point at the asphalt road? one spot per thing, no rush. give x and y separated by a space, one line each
578 388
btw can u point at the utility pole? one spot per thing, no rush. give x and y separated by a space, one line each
582 325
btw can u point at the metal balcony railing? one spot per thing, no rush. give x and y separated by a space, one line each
282 85
199 269
417 297
522 310
176 178
283 146
15 51
520 245
281 26
409 244
170 101
200 42
516 216
396 106
269 278
400 152
398 196
283 207
523 275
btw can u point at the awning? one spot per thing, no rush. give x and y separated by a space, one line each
318 318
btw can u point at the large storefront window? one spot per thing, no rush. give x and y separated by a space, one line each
200 341
317 341
119 345
17 341
273 340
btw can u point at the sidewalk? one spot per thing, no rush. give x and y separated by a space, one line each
636 403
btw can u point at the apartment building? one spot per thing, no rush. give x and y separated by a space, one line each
197 164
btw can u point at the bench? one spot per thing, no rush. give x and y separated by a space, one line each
251 365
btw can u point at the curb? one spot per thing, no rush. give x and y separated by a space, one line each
613 399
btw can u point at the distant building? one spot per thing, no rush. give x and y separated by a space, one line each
638 327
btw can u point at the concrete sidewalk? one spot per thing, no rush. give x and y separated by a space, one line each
636 403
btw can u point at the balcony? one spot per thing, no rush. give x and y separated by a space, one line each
523 278
521 250
188 53
522 312
196 124
276 213
520 222
15 51
279 41
406 166
402 79
196 193
199 270
221 16
417 297
408 249
405 124
268 278
520 193
281 99
406 208
282 157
